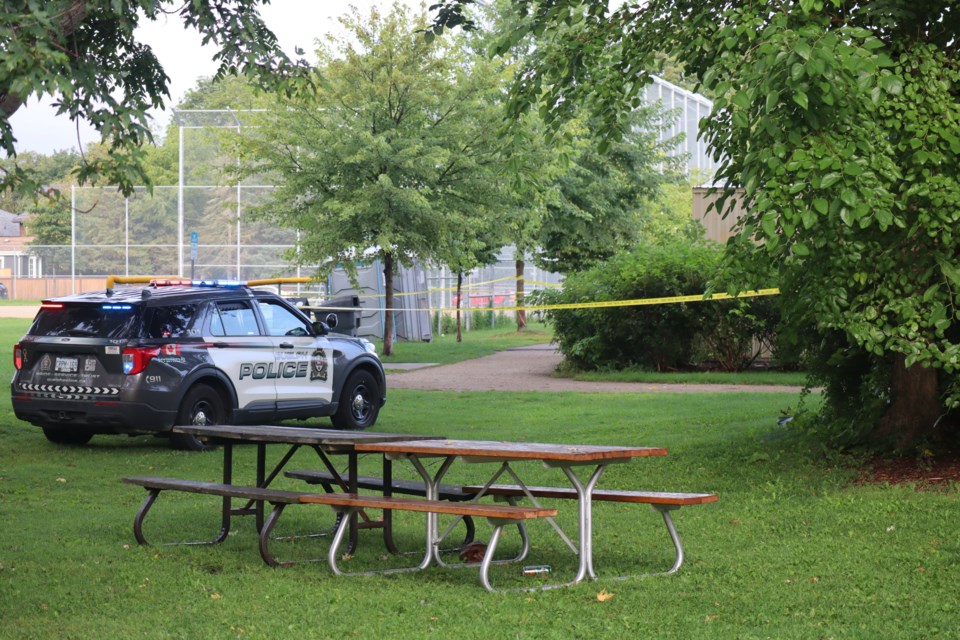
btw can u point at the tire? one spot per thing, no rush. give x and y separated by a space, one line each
202 405
72 437
359 402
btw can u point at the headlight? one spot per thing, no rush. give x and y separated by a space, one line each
368 346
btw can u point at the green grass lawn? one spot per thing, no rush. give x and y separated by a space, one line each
477 343
795 548
791 378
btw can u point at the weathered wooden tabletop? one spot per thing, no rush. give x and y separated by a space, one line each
292 435
509 450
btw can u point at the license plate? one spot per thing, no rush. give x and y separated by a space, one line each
66 365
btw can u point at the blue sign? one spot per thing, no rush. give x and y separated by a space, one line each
194 243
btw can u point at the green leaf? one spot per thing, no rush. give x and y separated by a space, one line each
846 215
821 204
931 292
773 99
741 99
801 99
769 224
892 84
950 270
829 179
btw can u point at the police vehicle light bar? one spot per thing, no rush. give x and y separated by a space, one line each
175 281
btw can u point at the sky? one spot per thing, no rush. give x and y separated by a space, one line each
296 23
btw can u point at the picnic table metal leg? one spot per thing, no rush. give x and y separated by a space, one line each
665 510
261 475
432 487
352 481
151 498
585 504
227 509
388 541
141 514
342 529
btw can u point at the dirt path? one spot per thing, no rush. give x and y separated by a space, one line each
531 369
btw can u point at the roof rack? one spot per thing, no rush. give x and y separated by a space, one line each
187 282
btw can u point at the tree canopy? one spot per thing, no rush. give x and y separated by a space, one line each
839 122
85 54
391 157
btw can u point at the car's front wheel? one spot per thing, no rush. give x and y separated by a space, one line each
359 402
201 406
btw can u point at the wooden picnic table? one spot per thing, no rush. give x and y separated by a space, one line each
565 457
321 441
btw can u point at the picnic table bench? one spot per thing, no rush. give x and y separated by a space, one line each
450 492
498 515
345 503
279 498
662 502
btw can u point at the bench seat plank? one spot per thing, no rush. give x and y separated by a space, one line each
603 495
477 509
265 494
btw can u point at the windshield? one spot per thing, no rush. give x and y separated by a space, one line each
84 320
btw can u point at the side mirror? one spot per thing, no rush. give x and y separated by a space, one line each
323 327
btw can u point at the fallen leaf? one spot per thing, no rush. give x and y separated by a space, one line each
215 596
603 596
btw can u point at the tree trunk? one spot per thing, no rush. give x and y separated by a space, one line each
914 409
388 302
521 314
459 300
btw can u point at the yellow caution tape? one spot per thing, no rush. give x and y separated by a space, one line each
582 305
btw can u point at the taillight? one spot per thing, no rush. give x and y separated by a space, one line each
17 356
136 359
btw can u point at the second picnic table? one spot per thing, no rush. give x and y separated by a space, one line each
563 456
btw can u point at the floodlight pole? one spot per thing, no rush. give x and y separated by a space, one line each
180 204
73 239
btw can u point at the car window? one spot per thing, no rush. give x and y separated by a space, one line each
86 320
234 319
281 321
171 322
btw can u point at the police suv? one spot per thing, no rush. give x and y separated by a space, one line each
139 360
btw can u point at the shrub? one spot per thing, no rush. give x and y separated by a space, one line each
657 336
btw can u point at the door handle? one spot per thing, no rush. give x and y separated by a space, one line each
220 345
286 345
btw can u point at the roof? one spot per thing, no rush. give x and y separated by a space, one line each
11 224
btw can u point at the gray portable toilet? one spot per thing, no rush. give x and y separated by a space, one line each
411 309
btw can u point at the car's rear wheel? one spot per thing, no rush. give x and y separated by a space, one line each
359 402
201 406
62 435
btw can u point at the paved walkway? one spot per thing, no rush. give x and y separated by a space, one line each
531 369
